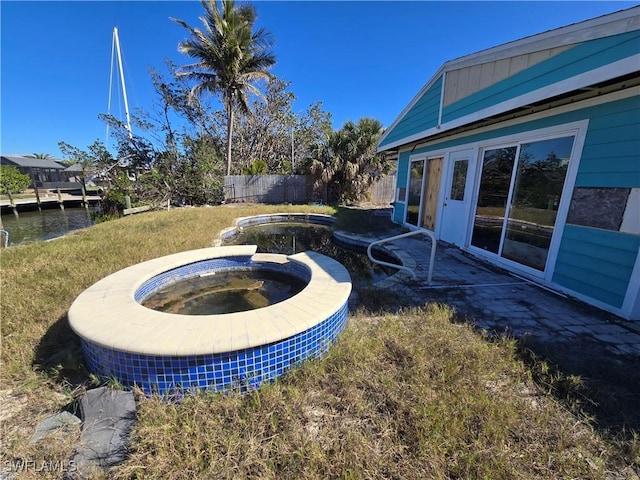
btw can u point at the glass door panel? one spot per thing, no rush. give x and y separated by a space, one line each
497 169
459 180
542 168
415 192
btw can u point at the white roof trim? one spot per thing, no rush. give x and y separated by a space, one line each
600 27
612 70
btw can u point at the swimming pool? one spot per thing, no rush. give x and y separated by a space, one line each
299 233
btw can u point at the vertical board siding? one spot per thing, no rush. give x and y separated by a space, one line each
596 263
267 188
579 59
382 191
294 189
465 81
422 116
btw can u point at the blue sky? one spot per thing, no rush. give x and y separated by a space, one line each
358 58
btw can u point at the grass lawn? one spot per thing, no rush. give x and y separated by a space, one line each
409 394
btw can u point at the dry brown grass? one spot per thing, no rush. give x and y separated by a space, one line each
411 395
42 367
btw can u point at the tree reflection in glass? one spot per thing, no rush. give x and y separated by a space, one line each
497 167
415 192
542 168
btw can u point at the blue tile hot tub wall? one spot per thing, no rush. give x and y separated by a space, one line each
240 370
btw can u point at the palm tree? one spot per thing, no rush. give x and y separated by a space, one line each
40 156
230 57
347 162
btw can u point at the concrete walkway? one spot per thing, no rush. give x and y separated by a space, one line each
495 300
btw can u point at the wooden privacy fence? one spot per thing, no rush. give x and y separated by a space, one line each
292 189
268 188
383 191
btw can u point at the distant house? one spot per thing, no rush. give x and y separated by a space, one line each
528 155
44 173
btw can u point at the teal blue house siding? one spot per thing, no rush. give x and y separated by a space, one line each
601 266
611 154
596 263
399 212
401 182
582 58
589 83
422 116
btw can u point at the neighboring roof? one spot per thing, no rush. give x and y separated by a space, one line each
432 110
76 167
23 161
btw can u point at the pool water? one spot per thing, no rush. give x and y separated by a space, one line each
225 292
291 238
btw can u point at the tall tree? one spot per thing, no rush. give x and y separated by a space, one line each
230 57
93 161
275 135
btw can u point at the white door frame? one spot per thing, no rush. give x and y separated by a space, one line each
413 159
457 211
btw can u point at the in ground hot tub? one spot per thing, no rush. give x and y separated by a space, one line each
172 353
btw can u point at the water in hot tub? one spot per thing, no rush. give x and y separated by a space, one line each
225 292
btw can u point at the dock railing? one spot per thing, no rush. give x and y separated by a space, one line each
402 267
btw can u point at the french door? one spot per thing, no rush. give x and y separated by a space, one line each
414 201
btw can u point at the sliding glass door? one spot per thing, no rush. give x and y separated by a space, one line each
518 199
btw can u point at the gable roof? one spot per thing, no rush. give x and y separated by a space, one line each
24 161
475 86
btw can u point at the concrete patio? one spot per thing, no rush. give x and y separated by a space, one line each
498 301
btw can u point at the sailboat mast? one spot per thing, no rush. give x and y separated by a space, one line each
116 44
113 44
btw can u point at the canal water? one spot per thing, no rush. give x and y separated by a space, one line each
45 225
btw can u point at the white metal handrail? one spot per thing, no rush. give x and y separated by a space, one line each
402 267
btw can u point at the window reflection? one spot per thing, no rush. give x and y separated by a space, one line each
415 190
497 166
459 180
542 168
